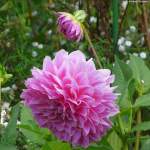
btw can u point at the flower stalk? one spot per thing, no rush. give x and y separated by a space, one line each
92 46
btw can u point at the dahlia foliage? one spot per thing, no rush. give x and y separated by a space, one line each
71 98
70 26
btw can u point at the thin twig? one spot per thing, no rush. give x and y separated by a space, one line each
145 21
123 17
92 47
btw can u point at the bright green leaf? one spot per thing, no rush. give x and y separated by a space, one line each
142 126
115 141
142 101
57 145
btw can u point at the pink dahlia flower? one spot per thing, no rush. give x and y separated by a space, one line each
71 98
70 26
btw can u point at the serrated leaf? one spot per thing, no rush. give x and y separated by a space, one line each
142 101
142 126
10 133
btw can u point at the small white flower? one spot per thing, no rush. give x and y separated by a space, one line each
34 54
6 89
135 54
121 48
14 87
3 113
93 19
143 55
52 5
127 32
128 61
132 28
50 20
49 32
62 42
121 40
8 44
40 46
18 122
7 31
5 106
124 4
142 81
35 44
103 33
142 40
28 34
5 124
34 13
128 43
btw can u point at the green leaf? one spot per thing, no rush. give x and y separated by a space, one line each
123 74
7 147
56 145
140 71
146 145
6 6
142 101
10 133
30 128
115 141
124 81
142 126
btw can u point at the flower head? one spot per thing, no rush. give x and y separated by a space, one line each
71 98
70 25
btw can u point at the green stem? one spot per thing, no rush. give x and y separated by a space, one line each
115 26
121 125
92 47
138 121
138 133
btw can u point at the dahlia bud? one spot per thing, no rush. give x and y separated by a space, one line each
71 98
70 25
